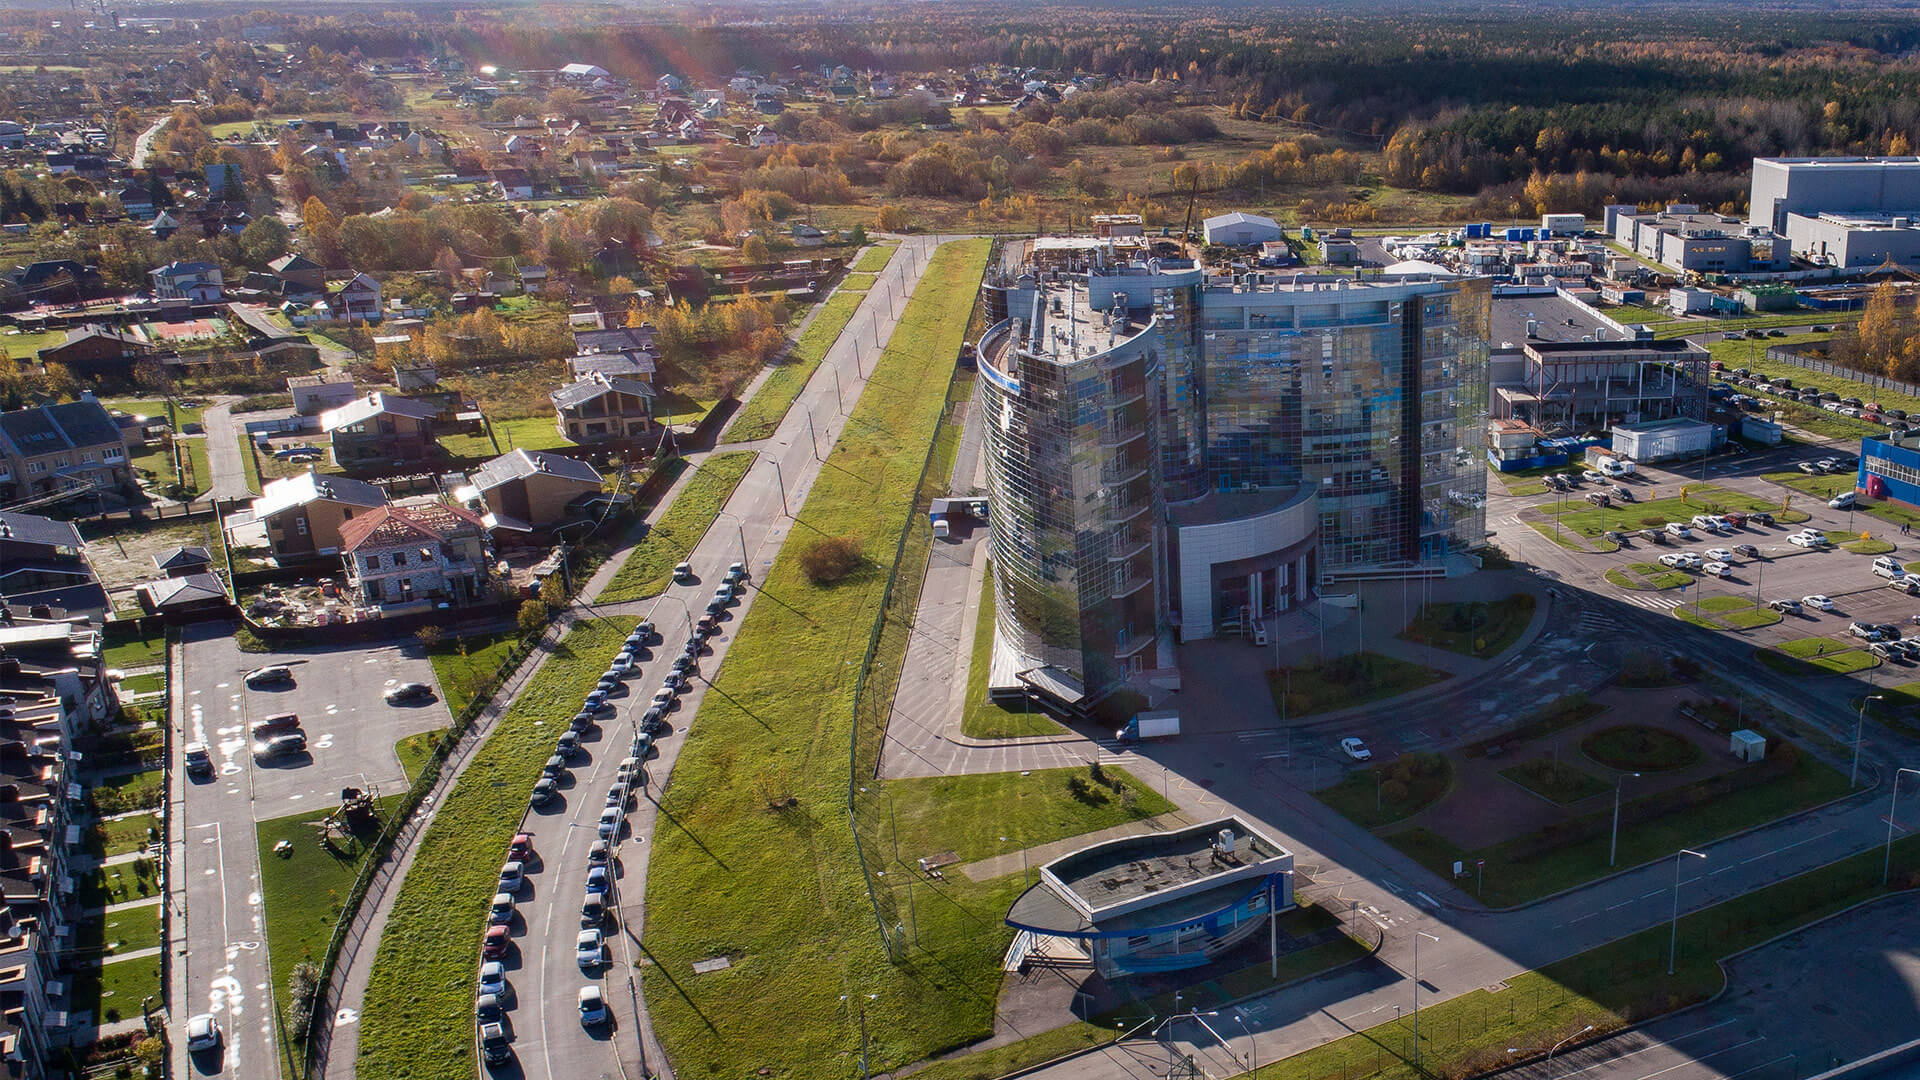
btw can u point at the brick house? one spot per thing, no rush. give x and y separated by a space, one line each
400 554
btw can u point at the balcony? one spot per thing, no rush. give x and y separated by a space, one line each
1115 475
1111 439
1125 514
1127 547
1122 652
1128 588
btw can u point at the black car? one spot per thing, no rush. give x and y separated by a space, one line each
408 691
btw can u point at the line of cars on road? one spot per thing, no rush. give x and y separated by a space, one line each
1810 396
596 907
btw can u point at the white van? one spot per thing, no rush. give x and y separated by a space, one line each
1889 567
941 530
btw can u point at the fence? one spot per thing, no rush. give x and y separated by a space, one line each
880 670
383 865
1798 357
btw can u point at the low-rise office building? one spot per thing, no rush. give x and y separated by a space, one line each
1580 386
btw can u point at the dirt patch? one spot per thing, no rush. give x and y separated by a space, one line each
123 559
1485 808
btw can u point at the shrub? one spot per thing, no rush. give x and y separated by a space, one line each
533 616
302 984
830 559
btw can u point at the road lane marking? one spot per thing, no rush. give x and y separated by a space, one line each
1697 1060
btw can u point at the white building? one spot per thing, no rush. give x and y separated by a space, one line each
1241 230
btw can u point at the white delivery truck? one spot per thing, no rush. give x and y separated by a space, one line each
1161 724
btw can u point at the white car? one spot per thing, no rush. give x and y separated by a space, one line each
1720 555
203 1033
1817 602
493 978
593 1007
1355 749
586 948
1805 541
1717 569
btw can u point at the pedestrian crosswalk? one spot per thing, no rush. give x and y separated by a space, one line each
1655 603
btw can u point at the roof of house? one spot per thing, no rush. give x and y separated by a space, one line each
182 556
613 339
177 268
91 331
391 525
584 390
628 362
375 404
1239 218
292 491
292 261
522 463
33 529
359 280
49 429
190 589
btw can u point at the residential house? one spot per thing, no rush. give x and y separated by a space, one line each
43 564
762 136
199 282
186 597
806 236
519 146
615 257
669 84
532 278
512 184
51 281
182 560
402 554
357 299
531 490
303 514
602 408
97 350
299 275
13 135
601 163
136 198
163 225
381 428
72 447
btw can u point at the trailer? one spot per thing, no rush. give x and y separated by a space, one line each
1159 724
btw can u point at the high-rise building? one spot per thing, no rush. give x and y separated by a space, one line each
1173 456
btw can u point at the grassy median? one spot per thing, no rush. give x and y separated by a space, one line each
649 566
418 1016
984 719
754 859
760 417
874 259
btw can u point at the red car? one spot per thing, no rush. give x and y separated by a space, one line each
520 848
494 945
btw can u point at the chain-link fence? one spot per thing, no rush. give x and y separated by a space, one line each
1793 354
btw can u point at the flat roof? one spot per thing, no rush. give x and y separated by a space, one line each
1127 869
1510 314
1219 506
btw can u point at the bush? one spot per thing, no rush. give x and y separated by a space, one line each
302 984
533 616
832 558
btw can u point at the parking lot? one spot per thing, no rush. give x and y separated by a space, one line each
351 732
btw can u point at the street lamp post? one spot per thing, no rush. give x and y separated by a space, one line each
1253 1045
1556 1048
1859 723
1673 933
1417 935
781 480
1613 846
1886 868
740 527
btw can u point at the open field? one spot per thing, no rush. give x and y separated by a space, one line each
649 566
1590 521
762 413
1472 629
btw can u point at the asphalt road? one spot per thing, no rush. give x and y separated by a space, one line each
350 736
548 1040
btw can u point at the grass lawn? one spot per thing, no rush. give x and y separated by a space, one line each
27 346
1555 716
1472 629
798 924
249 459
134 791
1823 486
181 415
129 930
420 992
1573 541
1591 521
124 984
1343 682
979 816
760 417
461 676
1516 874
1555 781
1385 792
199 479
986 719
649 566
414 750
304 889
1727 613
118 836
1815 656
1609 987
1009 1058
857 283
532 432
1648 576
136 685
1860 543
137 652
874 259
1637 748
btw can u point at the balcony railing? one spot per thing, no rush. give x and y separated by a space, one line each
1127 547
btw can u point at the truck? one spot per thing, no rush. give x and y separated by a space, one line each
1160 724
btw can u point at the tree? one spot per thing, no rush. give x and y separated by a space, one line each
857 235
891 218
448 266
263 240
533 617
553 592
754 250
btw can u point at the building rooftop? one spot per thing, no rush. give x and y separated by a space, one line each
1218 506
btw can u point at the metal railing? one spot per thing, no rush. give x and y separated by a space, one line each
1792 354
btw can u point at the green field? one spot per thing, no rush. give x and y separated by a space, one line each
1386 791
461 676
760 417
1555 781
1648 576
1726 613
649 566
757 808
27 346
1816 656
531 432
1480 630
420 992
874 259
414 750
985 719
1591 521
137 652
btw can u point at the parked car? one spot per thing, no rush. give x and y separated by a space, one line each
1866 631
610 821
203 1033
494 945
593 1010
501 912
1717 569
493 979
1842 501
543 791
1355 749
1746 551
199 761
598 881
512 876
1720 554
1623 493
1889 567
1679 531
280 746
488 1008
587 948
520 848
408 692
1805 541
272 675
1818 602
1786 606
599 852
683 573
494 1046
568 744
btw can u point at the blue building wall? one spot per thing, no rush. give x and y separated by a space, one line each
1896 469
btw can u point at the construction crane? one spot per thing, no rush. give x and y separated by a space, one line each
1193 194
